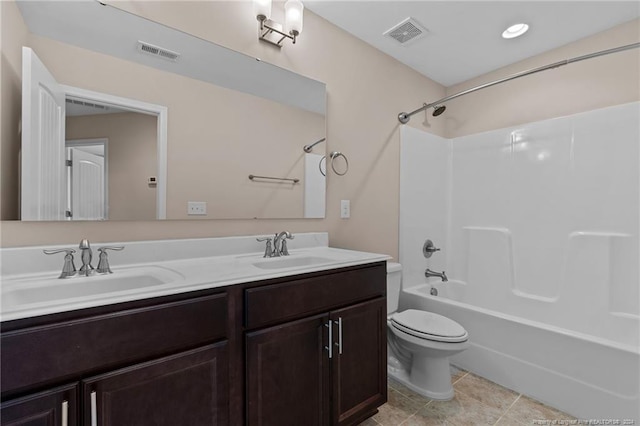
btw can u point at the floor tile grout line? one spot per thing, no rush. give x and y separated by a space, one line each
460 378
503 412
511 406
411 398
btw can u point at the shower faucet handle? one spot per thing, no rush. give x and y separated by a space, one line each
429 248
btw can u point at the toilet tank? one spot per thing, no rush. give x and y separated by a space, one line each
394 281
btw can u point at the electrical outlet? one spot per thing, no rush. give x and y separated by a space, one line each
345 209
196 208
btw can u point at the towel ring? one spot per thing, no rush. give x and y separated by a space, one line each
323 172
334 155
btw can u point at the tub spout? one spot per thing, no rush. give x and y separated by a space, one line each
429 273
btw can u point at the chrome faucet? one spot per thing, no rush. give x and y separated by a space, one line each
86 255
429 273
280 244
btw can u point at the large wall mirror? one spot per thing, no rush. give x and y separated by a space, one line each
165 124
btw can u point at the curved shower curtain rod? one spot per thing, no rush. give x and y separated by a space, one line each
404 117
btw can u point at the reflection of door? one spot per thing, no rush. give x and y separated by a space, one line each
43 175
88 184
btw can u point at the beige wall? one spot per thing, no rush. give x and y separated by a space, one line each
217 137
131 154
366 91
221 143
13 35
581 86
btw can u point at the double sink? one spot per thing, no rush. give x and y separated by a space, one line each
36 291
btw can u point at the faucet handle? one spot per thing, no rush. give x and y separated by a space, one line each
69 268
103 259
283 248
429 248
268 251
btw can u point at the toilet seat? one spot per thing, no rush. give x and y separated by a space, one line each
429 325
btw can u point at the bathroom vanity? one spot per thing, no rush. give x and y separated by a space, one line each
270 345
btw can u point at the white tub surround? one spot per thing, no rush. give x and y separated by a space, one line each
538 229
175 266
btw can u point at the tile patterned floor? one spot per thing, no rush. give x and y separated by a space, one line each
477 401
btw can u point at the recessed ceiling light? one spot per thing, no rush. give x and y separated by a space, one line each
515 31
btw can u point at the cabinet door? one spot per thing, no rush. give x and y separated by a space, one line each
189 388
359 367
288 374
53 407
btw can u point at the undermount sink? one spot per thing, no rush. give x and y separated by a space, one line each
291 262
28 291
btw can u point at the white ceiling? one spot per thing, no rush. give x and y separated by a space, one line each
464 37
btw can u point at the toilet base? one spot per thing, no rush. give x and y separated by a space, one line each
402 377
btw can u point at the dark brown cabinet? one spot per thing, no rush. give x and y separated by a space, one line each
302 350
184 389
287 374
323 369
136 359
58 406
359 368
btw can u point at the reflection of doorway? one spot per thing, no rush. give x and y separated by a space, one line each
44 186
88 179
134 107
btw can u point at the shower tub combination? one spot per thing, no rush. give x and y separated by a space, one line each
538 230
586 376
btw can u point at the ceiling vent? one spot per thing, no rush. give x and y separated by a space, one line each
158 52
86 104
406 31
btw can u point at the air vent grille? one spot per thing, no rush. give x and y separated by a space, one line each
157 51
86 104
407 30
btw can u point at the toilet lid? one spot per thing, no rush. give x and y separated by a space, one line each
428 325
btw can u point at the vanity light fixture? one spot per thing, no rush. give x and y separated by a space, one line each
515 30
271 31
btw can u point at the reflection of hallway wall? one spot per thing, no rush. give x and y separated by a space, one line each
132 157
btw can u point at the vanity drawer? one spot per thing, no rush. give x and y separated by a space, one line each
297 298
74 347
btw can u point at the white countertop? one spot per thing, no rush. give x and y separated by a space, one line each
207 268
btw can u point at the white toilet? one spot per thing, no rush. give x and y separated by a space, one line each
420 343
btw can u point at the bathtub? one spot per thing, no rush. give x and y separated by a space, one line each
586 376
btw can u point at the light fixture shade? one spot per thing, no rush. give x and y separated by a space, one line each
262 8
293 11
